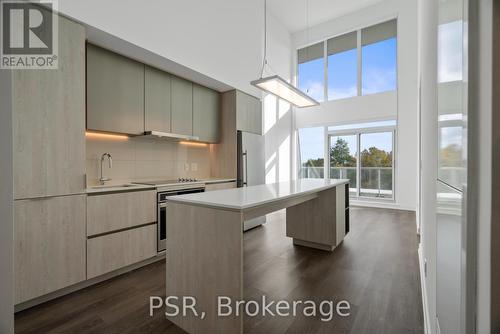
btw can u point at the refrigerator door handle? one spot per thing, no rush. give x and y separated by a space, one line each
245 171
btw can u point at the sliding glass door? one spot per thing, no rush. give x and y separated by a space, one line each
376 164
366 158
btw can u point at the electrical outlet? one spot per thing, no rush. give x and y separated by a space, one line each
194 167
186 167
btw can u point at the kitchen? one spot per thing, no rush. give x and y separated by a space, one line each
266 152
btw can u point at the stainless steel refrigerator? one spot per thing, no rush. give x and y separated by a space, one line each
251 167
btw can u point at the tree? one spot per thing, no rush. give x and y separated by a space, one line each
373 157
340 155
314 163
451 156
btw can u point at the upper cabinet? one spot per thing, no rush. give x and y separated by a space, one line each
206 114
157 103
248 113
182 106
126 96
115 92
49 122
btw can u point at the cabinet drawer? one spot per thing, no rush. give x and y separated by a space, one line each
111 212
218 186
116 250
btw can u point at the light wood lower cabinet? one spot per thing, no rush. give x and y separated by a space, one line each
49 245
218 186
116 250
111 212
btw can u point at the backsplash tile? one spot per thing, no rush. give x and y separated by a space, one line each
145 158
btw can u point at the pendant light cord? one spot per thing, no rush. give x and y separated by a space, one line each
264 60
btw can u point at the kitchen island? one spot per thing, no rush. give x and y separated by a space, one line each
205 240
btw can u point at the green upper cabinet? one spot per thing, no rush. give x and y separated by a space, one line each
248 113
206 114
115 92
157 103
182 106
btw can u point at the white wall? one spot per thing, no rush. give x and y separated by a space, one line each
427 14
277 117
6 206
386 105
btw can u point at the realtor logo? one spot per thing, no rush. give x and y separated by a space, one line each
29 34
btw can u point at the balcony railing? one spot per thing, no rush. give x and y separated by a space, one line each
375 181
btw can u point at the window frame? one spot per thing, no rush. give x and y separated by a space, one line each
358 133
359 59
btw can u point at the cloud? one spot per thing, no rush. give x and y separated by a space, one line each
342 93
450 52
376 80
315 89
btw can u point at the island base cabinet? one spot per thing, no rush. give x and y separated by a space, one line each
320 213
49 245
117 250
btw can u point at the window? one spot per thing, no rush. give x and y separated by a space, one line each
376 164
311 152
360 62
379 54
311 75
344 159
450 53
450 155
363 153
342 66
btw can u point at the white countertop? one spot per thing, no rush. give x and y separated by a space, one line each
133 186
248 197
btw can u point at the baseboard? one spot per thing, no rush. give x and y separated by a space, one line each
78 286
425 305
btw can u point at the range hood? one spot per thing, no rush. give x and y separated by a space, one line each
169 136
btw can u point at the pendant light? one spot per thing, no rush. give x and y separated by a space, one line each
276 85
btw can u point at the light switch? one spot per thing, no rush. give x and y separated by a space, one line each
194 167
186 167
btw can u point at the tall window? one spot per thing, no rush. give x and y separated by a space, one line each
342 66
379 54
311 75
311 152
357 63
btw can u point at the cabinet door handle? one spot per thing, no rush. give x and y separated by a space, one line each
245 178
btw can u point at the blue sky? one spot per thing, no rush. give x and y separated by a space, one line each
379 67
342 75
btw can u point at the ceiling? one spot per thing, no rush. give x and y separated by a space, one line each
292 13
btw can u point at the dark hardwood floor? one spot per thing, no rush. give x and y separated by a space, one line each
375 269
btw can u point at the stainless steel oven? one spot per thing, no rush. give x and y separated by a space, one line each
162 212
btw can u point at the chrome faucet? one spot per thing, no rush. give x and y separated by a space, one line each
102 180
